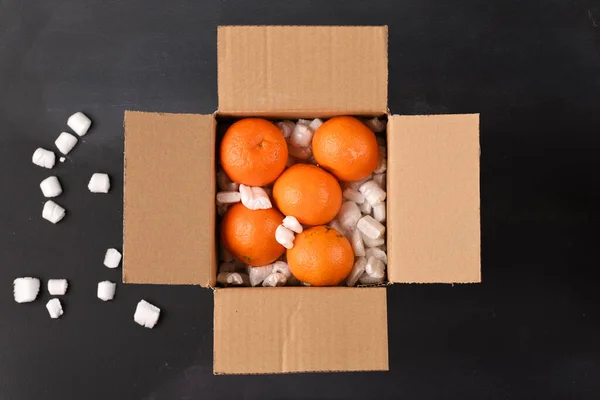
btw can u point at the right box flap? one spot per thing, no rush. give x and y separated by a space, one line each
433 186
300 329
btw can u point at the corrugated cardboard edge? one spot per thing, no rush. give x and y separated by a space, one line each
182 201
299 329
342 70
434 219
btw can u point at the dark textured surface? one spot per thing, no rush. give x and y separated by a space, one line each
532 69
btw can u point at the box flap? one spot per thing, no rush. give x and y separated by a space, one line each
302 70
169 211
433 177
300 329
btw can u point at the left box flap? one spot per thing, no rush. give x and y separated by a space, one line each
168 202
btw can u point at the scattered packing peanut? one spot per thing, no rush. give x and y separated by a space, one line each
228 197
112 258
26 289
99 183
375 268
106 290
254 198
284 237
353 195
230 278
375 124
275 279
382 161
283 268
357 270
57 287
356 184
286 127
372 242
258 274
377 253
372 192
53 212
65 142
315 124
79 123
146 314
54 308
370 228
365 279
348 216
50 187
301 136
365 208
225 183
335 224
357 243
292 224
379 212
43 158
379 179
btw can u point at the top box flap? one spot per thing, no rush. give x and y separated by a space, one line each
168 211
433 177
300 329
302 70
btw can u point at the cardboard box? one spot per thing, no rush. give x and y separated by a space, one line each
433 229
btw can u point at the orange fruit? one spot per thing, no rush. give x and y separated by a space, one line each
346 147
321 256
249 235
253 152
309 193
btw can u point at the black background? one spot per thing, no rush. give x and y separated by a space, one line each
531 68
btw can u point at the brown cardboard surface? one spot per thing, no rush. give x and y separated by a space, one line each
433 187
304 70
300 329
169 192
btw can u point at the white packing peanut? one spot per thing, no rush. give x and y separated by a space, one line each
357 270
283 268
292 224
357 243
348 216
335 224
112 258
258 274
356 184
99 183
227 267
315 124
53 212
286 127
230 278
26 290
381 161
146 314
284 237
370 228
365 208
254 198
54 308
377 253
379 179
275 279
375 267
57 287
372 242
365 279
372 192
301 135
375 124
106 290
225 183
379 212
302 153
303 121
51 187
43 158
353 195
65 142
79 123
228 197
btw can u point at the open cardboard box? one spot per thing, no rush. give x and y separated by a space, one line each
433 229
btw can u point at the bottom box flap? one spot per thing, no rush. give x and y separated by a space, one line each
300 329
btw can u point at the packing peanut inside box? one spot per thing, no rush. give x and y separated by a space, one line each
415 219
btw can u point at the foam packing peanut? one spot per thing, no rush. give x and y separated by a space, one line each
286 127
365 279
57 287
106 290
372 192
379 212
375 268
357 270
375 124
230 278
315 124
112 258
379 179
254 198
43 158
365 208
377 253
353 195
335 224
372 242
79 123
348 216
292 224
274 280
283 268
381 161
357 243
54 308
284 237
146 314
228 197
53 212
50 187
99 183
25 290
65 142
370 228
258 274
